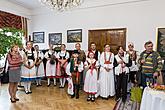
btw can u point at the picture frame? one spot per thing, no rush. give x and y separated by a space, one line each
161 41
74 36
38 37
55 38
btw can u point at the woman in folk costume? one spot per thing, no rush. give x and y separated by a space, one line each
39 65
62 58
134 68
50 55
29 70
90 83
122 63
106 77
73 69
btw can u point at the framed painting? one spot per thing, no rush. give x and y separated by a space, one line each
74 36
55 38
161 41
38 37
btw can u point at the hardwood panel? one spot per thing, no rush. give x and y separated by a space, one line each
51 98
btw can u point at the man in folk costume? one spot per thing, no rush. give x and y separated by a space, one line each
50 55
74 69
122 63
62 58
93 49
106 76
134 68
39 65
90 83
29 70
82 58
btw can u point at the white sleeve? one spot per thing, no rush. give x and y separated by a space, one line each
46 55
85 64
80 67
41 55
35 54
102 60
58 55
68 69
67 55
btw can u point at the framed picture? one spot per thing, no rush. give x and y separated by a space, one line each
55 38
38 37
74 36
161 41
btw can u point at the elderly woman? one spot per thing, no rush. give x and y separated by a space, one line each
15 61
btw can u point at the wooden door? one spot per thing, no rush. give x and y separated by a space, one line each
113 37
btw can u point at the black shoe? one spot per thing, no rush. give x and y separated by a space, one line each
37 85
26 92
16 99
93 99
72 96
48 85
117 99
30 92
88 99
12 101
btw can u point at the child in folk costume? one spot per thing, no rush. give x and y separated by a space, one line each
122 63
106 76
73 69
90 83
39 65
51 65
29 70
62 58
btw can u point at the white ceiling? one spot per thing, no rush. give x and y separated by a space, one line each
34 4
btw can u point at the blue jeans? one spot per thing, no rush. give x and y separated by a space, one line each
147 77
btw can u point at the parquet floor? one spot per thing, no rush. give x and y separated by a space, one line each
51 98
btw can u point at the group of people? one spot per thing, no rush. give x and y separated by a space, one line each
98 74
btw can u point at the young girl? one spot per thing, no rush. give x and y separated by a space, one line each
106 77
39 65
62 58
73 69
90 83
29 70
51 65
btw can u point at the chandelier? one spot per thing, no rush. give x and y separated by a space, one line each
61 5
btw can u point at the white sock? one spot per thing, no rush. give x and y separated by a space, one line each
54 81
63 82
60 81
25 86
29 85
48 81
39 81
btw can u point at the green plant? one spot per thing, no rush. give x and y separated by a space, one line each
8 37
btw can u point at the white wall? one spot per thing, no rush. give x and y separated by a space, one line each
17 10
140 18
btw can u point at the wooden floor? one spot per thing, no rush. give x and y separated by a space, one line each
50 98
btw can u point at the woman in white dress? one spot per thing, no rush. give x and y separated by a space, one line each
51 65
90 83
106 77
39 65
29 70
62 58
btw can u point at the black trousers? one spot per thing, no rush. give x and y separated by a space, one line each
121 85
132 76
